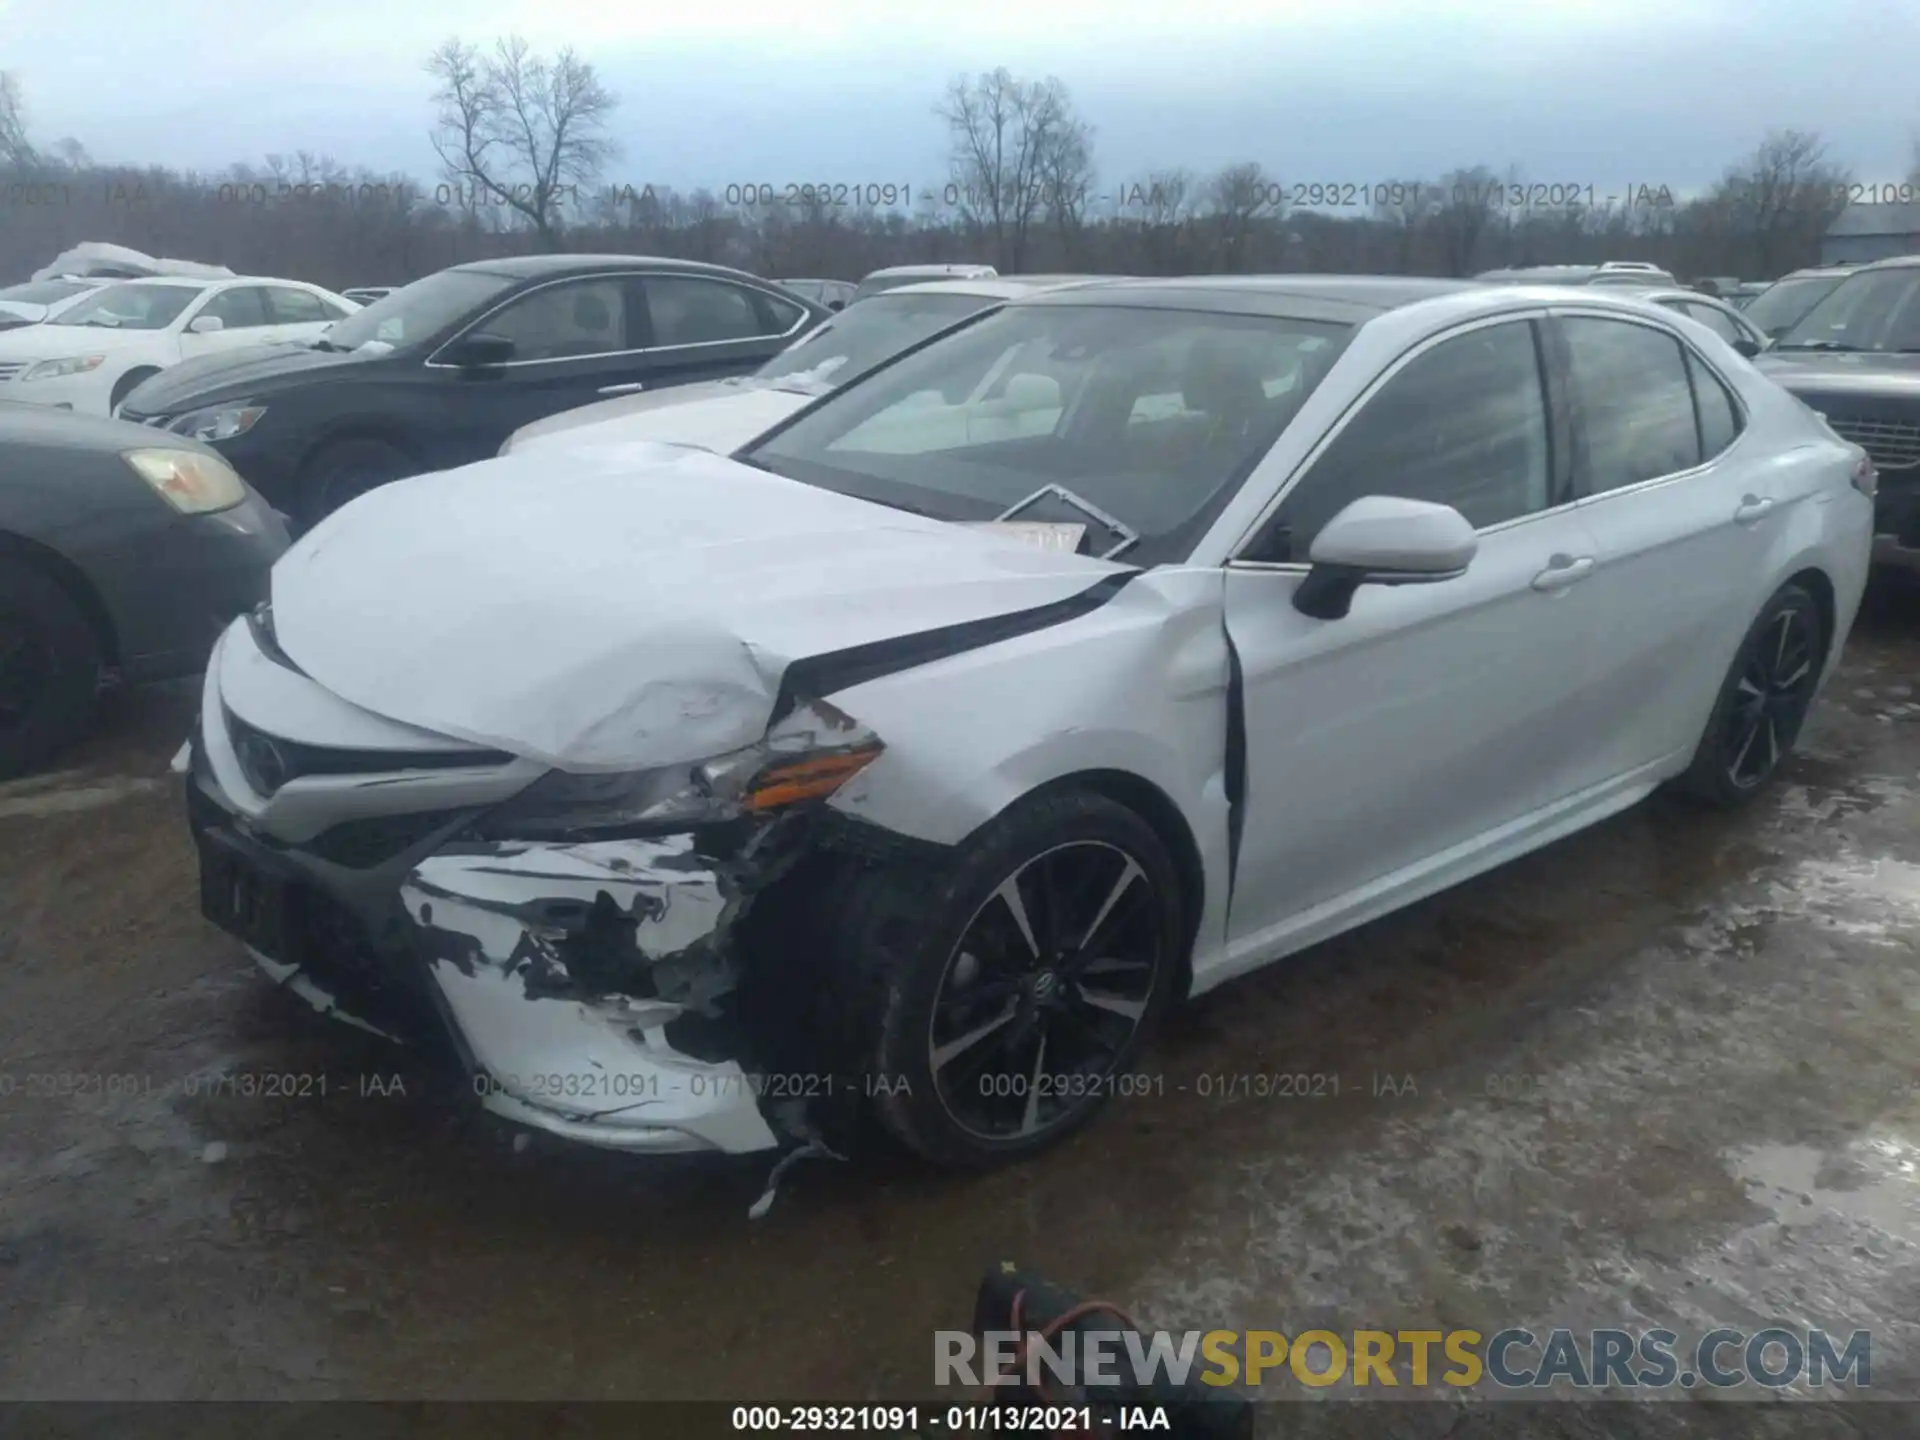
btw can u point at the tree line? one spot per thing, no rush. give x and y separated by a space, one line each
526 164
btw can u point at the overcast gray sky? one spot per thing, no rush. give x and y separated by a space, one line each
1602 92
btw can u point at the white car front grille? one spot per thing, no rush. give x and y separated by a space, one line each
1893 444
11 368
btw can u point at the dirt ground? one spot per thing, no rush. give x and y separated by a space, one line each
1663 1072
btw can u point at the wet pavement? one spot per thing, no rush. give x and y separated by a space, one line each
1662 1073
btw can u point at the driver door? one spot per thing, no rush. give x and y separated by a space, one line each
1383 745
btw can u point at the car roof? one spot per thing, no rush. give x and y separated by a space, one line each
1892 262
998 287
1342 299
525 267
1354 299
955 267
1653 291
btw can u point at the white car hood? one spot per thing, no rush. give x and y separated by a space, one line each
716 417
623 606
56 342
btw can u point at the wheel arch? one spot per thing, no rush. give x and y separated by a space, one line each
72 579
1153 805
1816 583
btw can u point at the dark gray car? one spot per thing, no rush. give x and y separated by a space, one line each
123 554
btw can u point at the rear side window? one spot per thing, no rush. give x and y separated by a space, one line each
782 315
1634 399
1719 416
690 311
296 307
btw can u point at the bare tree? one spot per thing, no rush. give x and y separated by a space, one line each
1783 197
1010 142
16 152
1241 199
1464 210
518 133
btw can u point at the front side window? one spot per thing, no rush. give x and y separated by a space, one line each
1462 424
1634 401
296 307
131 306
690 311
564 322
242 308
1035 395
1869 310
417 312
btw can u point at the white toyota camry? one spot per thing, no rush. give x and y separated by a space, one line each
903 767
91 355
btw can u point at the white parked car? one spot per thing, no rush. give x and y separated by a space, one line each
89 356
723 803
725 414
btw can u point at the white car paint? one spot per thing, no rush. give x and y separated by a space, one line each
116 353
628 608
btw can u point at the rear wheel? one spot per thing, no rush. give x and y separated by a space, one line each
343 470
997 1003
49 667
1763 701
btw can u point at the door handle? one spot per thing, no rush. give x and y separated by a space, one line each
1564 571
1751 509
634 389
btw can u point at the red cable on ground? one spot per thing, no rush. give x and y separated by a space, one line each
1053 1327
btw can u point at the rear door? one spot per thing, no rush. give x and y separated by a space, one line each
1681 513
703 327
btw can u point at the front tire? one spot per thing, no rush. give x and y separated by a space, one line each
49 667
1762 703
997 1002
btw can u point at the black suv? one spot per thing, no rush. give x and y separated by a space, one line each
441 371
1855 358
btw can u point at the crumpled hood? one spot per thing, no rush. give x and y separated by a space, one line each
623 606
717 415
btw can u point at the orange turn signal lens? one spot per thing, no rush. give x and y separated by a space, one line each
808 778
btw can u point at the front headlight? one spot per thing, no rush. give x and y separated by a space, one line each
72 365
218 422
806 756
194 484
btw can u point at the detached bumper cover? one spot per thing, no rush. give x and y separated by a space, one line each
598 1068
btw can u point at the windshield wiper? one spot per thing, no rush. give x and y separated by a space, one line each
1129 537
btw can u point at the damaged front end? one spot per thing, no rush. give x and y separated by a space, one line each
579 939
583 940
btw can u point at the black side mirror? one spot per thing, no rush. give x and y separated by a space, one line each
836 304
1748 348
479 352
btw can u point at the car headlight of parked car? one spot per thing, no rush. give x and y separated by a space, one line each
795 763
194 484
218 422
71 365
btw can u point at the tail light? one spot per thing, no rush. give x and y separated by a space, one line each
1865 478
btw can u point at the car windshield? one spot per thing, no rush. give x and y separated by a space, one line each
1779 307
131 306
856 340
1868 310
43 292
1149 414
418 311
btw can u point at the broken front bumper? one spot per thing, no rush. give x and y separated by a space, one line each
494 944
